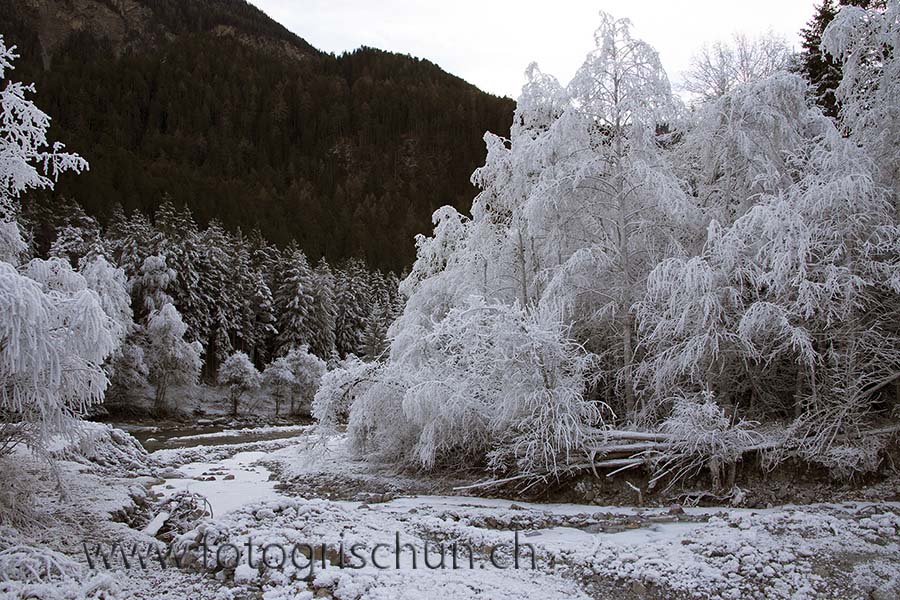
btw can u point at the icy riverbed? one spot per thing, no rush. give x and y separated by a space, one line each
583 551
227 484
290 492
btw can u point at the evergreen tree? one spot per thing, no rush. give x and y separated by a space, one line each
79 237
131 242
819 68
352 300
264 257
324 315
150 289
295 301
177 232
217 281
257 317
374 339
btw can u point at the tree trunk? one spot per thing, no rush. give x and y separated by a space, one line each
715 472
523 275
798 391
627 359
234 404
159 401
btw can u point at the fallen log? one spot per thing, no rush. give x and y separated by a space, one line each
637 436
623 456
156 524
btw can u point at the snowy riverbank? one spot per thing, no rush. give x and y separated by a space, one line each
268 493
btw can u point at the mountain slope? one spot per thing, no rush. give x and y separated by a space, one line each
219 107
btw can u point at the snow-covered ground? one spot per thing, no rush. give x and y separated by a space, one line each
227 484
848 550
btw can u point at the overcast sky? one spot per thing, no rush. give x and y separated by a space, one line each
491 42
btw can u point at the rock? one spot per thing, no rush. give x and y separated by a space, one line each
676 509
244 573
265 513
638 588
883 594
663 519
228 477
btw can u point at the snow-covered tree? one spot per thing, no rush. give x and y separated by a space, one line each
790 312
279 378
78 240
12 247
170 359
150 288
239 374
295 301
324 313
351 297
260 306
27 158
489 384
177 235
720 67
308 370
54 332
54 341
867 44
111 286
622 203
217 281
744 145
374 339
127 369
339 389
129 239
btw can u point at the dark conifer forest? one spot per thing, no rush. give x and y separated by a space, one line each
216 106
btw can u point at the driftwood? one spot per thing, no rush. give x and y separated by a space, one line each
616 451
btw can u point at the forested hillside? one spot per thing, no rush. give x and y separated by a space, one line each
217 106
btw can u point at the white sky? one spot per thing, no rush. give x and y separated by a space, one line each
490 42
